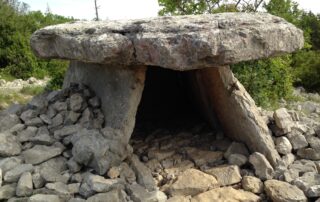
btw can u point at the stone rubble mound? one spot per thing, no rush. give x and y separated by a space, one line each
55 149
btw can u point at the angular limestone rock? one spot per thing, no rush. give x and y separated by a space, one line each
226 194
179 42
192 182
283 191
226 174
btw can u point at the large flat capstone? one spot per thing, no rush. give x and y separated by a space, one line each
175 42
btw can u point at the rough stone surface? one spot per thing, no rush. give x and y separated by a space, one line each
252 184
283 120
306 181
192 182
261 165
39 153
25 186
282 191
7 191
297 140
212 40
203 157
283 145
100 184
143 174
140 194
226 194
14 174
9 145
120 95
237 159
7 121
225 175
115 196
44 197
235 100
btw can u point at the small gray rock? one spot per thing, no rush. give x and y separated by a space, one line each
283 120
297 140
115 195
252 184
9 145
14 174
100 184
37 122
283 191
76 101
314 142
306 181
46 119
29 114
140 194
41 153
60 106
38 181
25 186
44 198
9 163
261 165
27 134
236 148
283 145
309 153
56 121
7 121
59 187
237 159
7 191
42 137
143 174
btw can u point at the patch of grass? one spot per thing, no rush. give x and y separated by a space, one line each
6 76
6 99
32 90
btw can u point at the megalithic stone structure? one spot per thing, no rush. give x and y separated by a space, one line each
112 58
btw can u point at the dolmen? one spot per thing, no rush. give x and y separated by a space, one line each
112 58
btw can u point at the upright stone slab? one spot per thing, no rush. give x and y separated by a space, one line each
236 110
120 89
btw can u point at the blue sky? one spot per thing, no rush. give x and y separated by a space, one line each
120 9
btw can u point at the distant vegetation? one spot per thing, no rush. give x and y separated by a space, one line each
267 80
17 24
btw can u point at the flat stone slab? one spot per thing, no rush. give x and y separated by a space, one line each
175 42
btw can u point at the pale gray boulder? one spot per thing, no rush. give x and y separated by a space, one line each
211 40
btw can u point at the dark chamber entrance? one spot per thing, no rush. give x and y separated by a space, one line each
167 102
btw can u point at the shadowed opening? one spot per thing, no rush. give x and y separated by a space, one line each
167 102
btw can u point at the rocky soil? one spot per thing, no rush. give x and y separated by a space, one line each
55 149
12 91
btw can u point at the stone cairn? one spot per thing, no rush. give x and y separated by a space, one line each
75 145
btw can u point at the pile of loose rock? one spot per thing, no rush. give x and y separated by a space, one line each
18 84
56 149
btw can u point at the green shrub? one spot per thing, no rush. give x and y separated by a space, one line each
307 69
266 80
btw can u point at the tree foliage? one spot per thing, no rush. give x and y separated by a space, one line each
267 80
17 24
